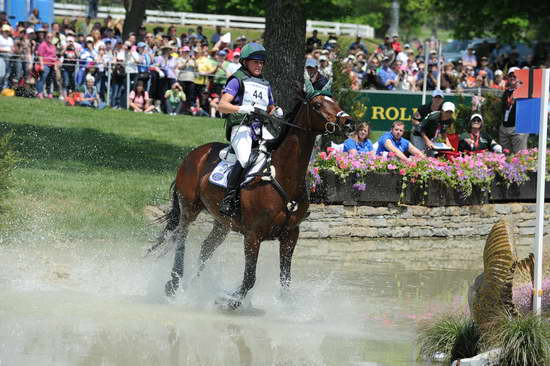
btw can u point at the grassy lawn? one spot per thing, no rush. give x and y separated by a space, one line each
87 173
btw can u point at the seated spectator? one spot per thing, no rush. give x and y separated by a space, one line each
359 142
476 139
394 142
90 96
436 126
139 99
469 59
174 99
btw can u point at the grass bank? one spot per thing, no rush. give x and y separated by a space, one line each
85 173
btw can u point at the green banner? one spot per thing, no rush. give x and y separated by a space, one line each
383 108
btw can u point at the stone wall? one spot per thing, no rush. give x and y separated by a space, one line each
338 221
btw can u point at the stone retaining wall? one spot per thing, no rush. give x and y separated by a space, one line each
337 221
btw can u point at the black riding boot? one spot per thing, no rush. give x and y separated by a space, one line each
229 205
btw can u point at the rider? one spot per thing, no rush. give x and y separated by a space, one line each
245 90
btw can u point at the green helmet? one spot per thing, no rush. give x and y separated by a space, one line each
253 51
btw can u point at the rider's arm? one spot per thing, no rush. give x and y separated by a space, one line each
225 105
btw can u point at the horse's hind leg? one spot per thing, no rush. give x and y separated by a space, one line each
188 215
211 243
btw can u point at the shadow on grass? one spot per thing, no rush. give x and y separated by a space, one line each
46 147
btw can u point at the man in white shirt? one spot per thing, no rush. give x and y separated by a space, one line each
6 53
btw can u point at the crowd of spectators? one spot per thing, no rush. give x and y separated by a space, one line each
396 66
157 71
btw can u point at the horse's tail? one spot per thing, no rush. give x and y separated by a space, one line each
172 219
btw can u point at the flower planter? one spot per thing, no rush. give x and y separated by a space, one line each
501 192
381 188
436 194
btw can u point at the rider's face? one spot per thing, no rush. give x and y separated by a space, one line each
255 66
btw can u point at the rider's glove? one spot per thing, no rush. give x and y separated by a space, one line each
246 109
278 112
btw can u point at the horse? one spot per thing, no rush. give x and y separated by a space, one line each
269 209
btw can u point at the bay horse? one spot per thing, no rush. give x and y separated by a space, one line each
265 213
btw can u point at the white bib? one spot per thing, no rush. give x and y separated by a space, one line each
255 94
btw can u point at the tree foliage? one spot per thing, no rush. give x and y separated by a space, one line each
507 20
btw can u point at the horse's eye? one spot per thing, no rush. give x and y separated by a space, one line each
317 106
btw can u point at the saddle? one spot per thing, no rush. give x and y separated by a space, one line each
258 165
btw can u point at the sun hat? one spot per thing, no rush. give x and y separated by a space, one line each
498 72
311 62
448 106
513 69
6 28
323 58
186 49
476 115
437 93
141 44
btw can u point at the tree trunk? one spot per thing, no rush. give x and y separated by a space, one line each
284 40
135 15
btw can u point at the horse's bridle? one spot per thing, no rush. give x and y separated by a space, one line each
330 127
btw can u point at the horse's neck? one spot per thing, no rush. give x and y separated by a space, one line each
291 159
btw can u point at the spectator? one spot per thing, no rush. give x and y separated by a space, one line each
436 126
475 139
358 45
205 68
217 35
469 59
359 141
395 44
34 18
187 67
174 99
394 142
325 67
86 27
388 77
69 60
422 112
317 80
485 67
508 137
6 49
201 37
118 86
235 64
313 42
499 82
220 73
449 78
139 99
47 58
90 95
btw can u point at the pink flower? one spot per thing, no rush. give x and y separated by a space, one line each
402 172
392 167
323 155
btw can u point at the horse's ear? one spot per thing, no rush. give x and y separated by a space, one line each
298 89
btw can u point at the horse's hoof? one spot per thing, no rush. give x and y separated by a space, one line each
170 288
229 301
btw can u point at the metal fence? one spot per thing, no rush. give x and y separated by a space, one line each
226 21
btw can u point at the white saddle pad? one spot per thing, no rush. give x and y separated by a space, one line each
221 171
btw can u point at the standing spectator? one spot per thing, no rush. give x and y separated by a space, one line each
395 44
68 66
47 58
118 86
139 99
187 67
201 37
220 73
313 42
469 59
6 50
34 18
205 68
92 8
358 45
387 77
174 99
325 67
507 135
86 27
217 35
485 67
235 64
87 56
317 80
449 78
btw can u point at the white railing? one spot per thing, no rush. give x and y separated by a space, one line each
226 21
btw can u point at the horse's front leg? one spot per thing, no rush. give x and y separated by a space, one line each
251 250
287 241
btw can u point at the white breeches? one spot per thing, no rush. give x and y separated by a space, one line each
241 141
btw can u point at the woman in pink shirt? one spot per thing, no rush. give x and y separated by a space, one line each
47 59
139 99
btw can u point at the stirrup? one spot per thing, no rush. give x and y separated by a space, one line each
229 206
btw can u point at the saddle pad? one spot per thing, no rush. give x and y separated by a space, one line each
221 171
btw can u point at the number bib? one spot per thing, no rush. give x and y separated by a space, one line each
256 94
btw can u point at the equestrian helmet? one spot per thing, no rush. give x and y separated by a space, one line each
253 51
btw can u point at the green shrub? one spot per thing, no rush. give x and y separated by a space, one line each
7 162
450 336
524 340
